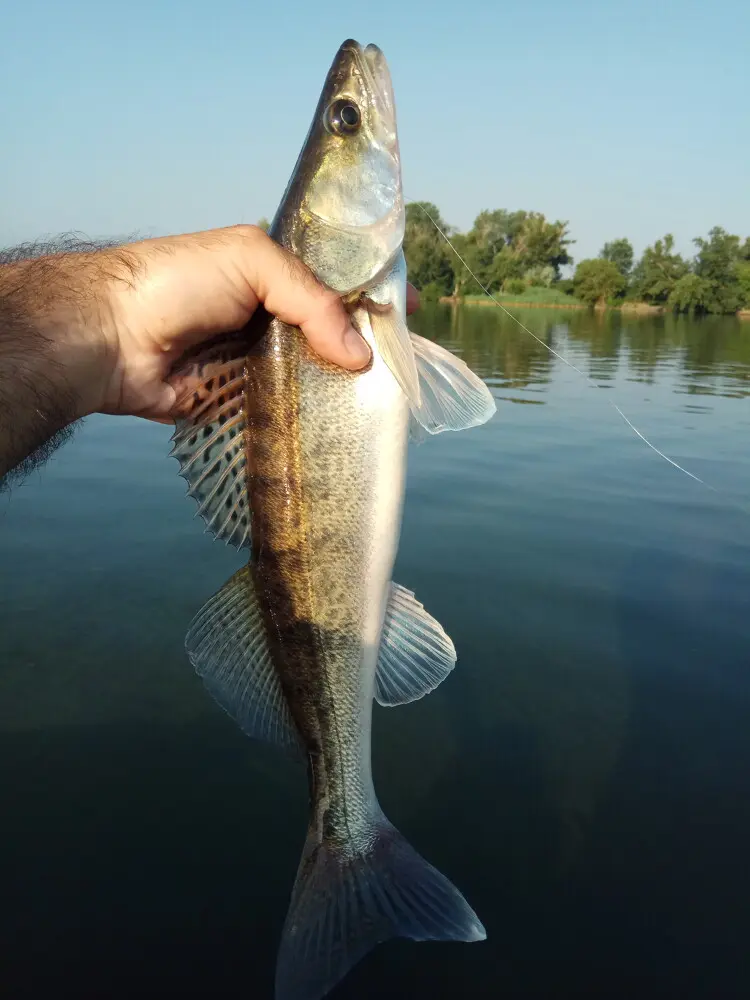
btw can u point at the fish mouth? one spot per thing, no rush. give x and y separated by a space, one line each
373 68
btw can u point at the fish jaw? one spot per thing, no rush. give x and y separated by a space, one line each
343 210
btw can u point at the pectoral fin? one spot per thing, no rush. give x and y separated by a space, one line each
210 442
444 394
415 653
395 347
452 397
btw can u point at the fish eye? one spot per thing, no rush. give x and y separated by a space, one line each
343 117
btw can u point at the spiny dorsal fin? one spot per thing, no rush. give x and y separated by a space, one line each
228 647
210 442
415 653
452 397
395 347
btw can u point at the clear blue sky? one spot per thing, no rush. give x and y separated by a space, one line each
626 118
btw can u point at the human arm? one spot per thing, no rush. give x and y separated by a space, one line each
98 330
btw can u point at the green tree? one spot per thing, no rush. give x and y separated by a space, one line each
743 279
263 224
504 249
502 246
497 228
716 264
620 252
691 294
463 281
658 271
427 254
507 265
597 280
541 243
493 233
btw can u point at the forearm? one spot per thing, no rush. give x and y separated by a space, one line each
52 352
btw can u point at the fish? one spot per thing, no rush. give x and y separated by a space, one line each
302 464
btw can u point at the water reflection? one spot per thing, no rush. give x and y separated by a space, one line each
572 694
710 356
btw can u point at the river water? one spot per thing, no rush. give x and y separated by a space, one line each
582 775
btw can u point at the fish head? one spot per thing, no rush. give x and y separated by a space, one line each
343 211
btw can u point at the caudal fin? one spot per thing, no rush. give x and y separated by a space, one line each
344 903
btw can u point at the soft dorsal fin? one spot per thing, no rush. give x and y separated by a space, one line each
415 653
452 397
210 442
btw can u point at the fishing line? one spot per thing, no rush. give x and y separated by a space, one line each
570 364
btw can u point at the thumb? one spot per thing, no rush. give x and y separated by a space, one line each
290 290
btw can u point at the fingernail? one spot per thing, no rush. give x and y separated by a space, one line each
356 347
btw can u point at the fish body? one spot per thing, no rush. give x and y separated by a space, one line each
304 464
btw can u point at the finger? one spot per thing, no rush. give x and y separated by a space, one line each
290 290
412 299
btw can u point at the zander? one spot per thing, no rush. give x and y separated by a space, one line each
303 464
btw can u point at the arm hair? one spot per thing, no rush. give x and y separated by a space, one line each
48 289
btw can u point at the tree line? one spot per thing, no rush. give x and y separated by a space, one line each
510 252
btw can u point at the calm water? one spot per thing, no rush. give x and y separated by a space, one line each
583 775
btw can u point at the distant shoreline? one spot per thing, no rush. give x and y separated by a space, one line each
636 308
450 300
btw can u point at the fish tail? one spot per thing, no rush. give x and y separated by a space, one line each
346 901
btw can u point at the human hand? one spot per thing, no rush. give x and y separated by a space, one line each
98 330
169 294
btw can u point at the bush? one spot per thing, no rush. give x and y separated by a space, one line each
597 281
743 279
540 277
431 292
565 285
514 286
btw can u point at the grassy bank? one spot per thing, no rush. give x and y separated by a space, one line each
531 297
640 308
550 298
